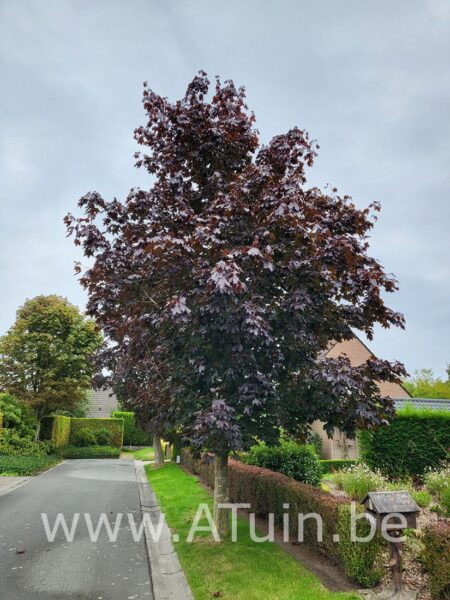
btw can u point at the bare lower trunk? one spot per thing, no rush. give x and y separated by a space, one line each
38 431
221 516
157 447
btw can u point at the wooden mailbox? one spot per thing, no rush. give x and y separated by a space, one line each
382 504
386 508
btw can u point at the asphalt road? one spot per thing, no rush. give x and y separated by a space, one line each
33 568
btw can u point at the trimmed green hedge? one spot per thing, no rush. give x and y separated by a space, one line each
114 426
60 431
269 492
55 429
132 434
436 540
89 452
292 459
329 466
416 439
1 423
23 466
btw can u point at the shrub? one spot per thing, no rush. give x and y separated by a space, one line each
115 426
296 461
132 434
103 437
361 561
358 480
444 501
84 437
437 481
416 439
329 466
1 423
269 492
313 439
89 452
422 498
17 415
436 540
11 444
23 466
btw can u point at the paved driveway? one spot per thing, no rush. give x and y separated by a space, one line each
33 568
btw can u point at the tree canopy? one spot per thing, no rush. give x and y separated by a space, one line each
46 356
221 287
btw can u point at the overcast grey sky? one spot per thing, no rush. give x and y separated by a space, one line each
369 80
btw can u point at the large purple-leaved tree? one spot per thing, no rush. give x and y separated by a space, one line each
221 287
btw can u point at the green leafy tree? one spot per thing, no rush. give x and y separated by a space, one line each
425 385
45 358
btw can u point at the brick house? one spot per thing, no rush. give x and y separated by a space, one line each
340 445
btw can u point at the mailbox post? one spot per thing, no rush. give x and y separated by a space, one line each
393 512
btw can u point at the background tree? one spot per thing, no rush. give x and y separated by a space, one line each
45 358
424 384
237 276
140 383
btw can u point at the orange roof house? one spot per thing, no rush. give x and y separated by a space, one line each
341 446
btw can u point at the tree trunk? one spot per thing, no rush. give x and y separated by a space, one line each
38 430
157 447
221 516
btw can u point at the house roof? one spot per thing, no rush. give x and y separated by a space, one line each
434 403
358 353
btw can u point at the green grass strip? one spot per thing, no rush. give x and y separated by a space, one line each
245 570
23 466
144 454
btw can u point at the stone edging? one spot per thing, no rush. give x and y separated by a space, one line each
168 579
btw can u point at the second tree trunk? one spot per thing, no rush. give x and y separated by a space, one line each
157 447
221 516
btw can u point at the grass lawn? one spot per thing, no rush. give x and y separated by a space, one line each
22 466
244 570
143 454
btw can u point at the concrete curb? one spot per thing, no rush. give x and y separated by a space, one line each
168 579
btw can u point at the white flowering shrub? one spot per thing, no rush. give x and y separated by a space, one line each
358 480
437 481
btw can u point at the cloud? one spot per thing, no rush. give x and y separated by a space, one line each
370 81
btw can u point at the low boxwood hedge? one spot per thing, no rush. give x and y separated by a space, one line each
89 452
269 492
23 466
